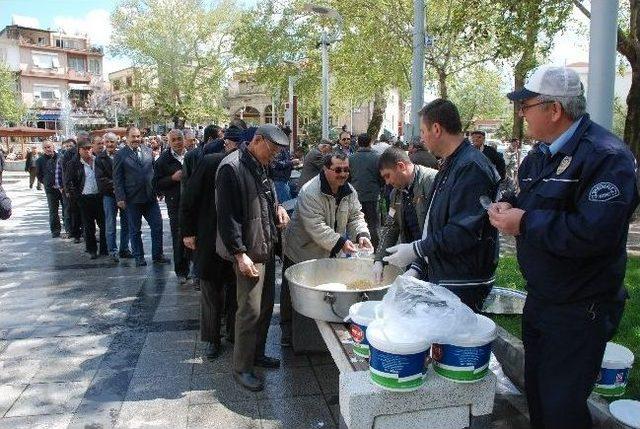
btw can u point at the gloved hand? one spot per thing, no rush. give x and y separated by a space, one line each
401 255
378 269
411 273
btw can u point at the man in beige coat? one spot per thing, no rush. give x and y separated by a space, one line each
327 219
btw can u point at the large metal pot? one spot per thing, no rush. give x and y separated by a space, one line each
332 306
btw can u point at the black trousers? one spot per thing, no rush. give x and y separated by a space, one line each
92 213
563 346
372 218
286 308
75 219
212 301
181 254
54 201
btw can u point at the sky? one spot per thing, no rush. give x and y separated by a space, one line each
91 17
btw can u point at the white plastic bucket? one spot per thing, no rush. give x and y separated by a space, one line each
361 314
466 358
397 359
614 372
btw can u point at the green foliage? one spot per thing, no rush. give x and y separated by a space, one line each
180 50
628 334
11 107
619 116
478 93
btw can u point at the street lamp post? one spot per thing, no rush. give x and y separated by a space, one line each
417 68
325 41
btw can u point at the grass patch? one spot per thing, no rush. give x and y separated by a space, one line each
508 275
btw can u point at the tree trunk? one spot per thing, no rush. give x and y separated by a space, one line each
518 122
379 106
632 121
442 84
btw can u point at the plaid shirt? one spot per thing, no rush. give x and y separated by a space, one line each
58 181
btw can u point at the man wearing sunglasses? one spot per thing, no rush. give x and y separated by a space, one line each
327 219
578 191
344 145
248 216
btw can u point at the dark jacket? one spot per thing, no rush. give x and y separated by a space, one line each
312 165
30 161
5 205
282 166
191 161
365 176
165 166
496 159
246 204
133 177
74 178
198 215
104 173
423 157
46 171
461 246
578 203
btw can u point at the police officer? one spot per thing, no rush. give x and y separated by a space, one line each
571 220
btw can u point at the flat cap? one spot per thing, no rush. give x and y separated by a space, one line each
273 134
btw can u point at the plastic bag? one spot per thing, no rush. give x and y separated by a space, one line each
425 309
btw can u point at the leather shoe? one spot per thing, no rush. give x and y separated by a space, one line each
77 240
213 351
93 255
249 381
126 254
267 362
141 263
162 260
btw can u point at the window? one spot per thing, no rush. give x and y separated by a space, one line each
129 81
77 64
67 44
117 84
45 60
95 66
43 92
42 41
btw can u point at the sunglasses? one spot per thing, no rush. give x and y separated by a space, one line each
345 139
340 170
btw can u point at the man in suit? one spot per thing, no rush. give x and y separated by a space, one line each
496 158
81 185
133 188
166 181
104 176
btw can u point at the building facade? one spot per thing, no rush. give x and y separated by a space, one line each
55 72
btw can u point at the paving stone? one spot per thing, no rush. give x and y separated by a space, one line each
51 421
177 313
305 412
95 415
154 413
237 415
178 363
85 345
170 341
327 376
220 387
39 348
222 364
150 388
18 371
8 395
48 398
80 368
109 385
286 382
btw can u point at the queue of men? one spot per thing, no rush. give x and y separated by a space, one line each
570 219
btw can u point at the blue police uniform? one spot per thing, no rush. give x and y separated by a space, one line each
578 196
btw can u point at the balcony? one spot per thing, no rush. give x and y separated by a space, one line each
57 73
45 45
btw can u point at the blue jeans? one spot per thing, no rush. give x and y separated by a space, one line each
151 213
110 214
282 190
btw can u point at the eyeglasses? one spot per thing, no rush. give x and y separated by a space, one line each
340 170
345 139
523 107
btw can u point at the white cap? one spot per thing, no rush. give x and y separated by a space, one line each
552 81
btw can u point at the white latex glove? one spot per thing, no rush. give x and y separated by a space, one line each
411 273
401 255
378 268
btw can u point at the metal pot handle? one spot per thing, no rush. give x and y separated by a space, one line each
330 298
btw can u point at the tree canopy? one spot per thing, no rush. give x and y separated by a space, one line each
11 107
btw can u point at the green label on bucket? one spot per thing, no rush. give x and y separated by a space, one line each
609 391
361 349
395 383
395 371
458 363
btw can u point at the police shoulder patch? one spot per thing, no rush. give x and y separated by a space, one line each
603 191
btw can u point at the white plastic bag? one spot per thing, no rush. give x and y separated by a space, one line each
425 309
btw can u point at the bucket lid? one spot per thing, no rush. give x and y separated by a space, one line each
483 332
392 338
626 411
364 312
615 353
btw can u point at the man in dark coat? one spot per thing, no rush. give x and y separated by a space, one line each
496 158
30 167
166 179
46 172
198 225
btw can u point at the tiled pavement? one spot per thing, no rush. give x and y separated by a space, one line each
91 344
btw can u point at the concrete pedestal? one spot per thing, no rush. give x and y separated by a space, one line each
305 336
439 404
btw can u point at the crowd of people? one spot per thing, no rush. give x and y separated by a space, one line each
420 210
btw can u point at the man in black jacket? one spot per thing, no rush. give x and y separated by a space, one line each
82 186
459 247
248 216
104 176
46 172
198 225
496 158
30 167
166 179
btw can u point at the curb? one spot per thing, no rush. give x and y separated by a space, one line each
509 351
